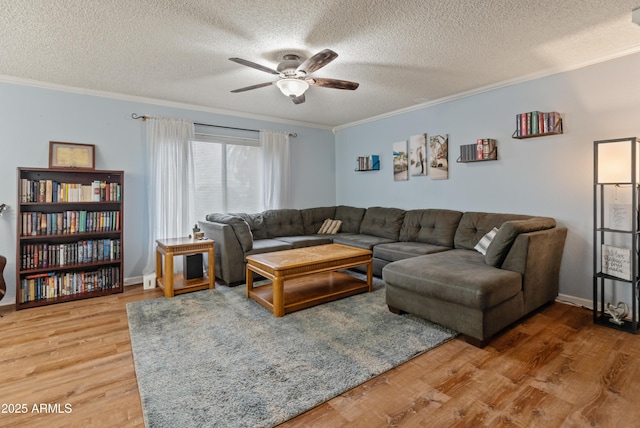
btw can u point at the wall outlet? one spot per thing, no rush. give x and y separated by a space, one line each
149 281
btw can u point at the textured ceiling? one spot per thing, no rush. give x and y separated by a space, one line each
402 52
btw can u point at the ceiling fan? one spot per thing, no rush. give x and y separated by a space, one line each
294 75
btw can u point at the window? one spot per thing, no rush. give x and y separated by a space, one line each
227 175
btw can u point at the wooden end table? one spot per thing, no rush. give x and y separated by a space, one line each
177 284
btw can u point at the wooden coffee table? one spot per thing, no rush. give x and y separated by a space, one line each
305 277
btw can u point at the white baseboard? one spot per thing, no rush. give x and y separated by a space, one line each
579 301
134 280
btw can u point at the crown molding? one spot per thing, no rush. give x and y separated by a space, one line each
488 88
153 101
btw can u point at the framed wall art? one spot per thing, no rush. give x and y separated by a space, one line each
400 168
418 154
439 164
72 155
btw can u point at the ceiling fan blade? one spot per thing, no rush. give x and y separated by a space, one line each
298 100
248 88
317 61
333 83
254 65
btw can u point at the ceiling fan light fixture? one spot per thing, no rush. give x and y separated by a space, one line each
292 87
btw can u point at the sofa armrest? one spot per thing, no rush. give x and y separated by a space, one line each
537 257
229 257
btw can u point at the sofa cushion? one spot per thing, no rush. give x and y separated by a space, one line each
351 218
382 222
239 226
312 218
457 276
502 242
474 225
361 241
267 246
403 250
304 240
283 222
431 226
256 224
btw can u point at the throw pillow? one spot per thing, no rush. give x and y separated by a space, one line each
485 241
325 226
335 227
330 227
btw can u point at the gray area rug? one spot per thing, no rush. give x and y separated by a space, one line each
217 359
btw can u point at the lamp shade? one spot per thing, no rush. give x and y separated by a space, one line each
292 87
614 162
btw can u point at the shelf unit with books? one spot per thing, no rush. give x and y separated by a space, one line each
616 232
484 149
537 124
368 163
69 235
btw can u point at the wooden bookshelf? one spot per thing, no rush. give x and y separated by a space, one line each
69 235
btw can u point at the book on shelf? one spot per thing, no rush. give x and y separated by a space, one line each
38 256
45 191
36 223
53 285
482 149
366 163
537 122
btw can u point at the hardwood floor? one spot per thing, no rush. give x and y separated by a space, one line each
555 369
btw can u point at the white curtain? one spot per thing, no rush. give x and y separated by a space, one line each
170 198
276 169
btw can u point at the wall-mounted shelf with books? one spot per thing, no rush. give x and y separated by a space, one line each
69 235
537 124
484 149
368 163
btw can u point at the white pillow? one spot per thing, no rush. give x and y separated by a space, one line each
485 241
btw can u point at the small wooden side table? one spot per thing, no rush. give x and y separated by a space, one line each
176 284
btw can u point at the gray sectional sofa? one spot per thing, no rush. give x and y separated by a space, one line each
425 256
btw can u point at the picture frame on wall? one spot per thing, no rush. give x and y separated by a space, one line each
72 155
400 165
418 154
439 157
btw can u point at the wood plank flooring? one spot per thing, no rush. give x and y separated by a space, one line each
73 362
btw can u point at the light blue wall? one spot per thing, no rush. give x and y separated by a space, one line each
31 117
549 176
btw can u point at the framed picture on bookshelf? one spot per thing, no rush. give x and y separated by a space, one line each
616 261
72 155
620 217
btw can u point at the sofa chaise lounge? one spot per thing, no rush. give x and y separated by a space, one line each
426 257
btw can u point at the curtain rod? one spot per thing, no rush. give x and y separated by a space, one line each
135 116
